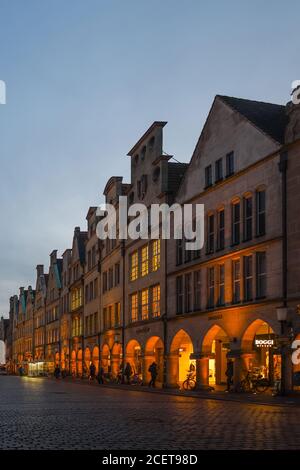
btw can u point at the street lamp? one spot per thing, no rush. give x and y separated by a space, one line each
282 317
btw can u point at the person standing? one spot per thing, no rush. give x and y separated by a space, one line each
92 372
57 372
229 375
128 372
100 376
154 372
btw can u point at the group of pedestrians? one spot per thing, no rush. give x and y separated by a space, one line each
130 377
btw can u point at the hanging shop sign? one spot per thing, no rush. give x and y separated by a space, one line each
264 341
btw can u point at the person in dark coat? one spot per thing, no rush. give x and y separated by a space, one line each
57 372
128 372
100 376
229 374
92 372
154 372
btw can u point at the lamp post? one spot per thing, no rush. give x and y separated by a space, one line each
282 317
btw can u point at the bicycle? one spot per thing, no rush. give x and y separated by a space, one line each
136 380
190 382
253 384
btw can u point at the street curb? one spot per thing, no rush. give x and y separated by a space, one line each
168 392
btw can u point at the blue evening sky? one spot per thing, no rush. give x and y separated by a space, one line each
86 78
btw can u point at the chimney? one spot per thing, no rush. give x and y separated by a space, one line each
292 131
40 270
53 257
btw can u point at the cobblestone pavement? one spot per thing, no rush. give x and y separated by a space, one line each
44 414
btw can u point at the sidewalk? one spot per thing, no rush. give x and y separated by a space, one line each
259 399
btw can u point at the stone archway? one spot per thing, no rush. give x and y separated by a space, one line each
56 359
73 363
154 352
215 346
79 363
258 352
134 356
105 358
116 359
95 358
179 360
87 359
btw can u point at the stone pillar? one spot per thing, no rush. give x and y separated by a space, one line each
172 370
288 370
115 364
236 356
202 370
246 357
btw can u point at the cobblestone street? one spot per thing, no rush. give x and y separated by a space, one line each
44 414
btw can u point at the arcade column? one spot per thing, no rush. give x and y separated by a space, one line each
236 356
147 361
202 370
172 370
115 364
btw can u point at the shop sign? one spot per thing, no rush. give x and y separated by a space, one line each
264 343
215 317
142 330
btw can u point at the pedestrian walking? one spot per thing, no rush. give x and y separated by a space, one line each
92 372
100 376
128 372
154 372
57 372
229 375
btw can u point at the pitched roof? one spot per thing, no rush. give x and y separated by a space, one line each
270 118
176 172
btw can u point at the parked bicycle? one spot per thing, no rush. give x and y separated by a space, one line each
190 382
253 383
136 380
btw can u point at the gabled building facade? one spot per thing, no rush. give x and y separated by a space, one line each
52 309
116 301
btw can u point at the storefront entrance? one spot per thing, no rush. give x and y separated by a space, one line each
263 358
134 357
216 345
180 364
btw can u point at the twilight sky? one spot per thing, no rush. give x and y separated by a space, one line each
86 78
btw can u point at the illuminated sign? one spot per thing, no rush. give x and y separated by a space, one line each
264 343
